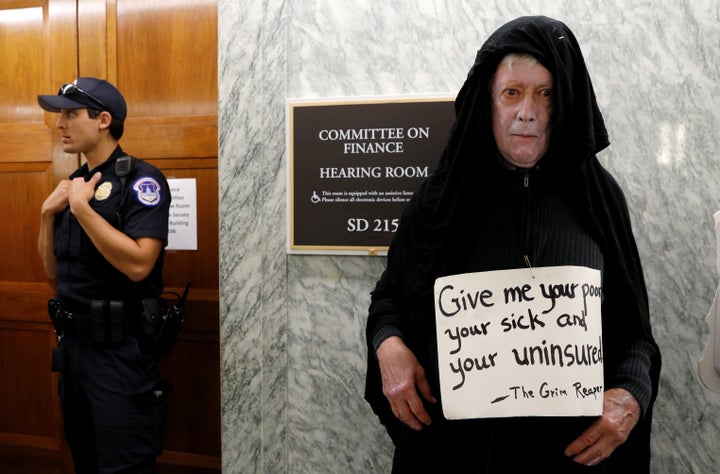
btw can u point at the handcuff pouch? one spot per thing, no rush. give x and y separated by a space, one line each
98 318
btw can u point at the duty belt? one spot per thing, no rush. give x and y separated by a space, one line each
104 321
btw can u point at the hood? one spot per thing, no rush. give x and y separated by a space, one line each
470 157
469 165
578 129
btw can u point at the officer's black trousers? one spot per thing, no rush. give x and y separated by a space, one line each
113 417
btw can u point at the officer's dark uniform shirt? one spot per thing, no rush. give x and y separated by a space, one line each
83 274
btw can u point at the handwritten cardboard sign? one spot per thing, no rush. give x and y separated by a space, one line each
521 342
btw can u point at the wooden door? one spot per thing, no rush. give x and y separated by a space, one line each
162 55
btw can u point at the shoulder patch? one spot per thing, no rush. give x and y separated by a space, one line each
147 191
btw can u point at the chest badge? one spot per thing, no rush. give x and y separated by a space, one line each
103 191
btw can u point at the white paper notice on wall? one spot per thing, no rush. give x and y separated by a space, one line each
182 232
521 342
709 365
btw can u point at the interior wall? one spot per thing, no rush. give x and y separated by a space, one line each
292 327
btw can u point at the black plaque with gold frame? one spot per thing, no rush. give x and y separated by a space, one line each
353 165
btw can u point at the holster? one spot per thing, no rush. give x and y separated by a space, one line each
57 363
53 312
169 329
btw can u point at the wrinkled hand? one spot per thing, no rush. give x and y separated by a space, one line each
403 380
621 412
81 191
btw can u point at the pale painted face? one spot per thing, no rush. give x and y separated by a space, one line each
521 112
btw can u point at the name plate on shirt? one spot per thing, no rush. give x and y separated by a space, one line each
521 342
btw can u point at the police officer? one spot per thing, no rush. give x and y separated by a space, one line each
102 238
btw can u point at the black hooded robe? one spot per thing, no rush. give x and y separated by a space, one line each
473 215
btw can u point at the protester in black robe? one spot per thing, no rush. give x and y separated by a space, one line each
476 213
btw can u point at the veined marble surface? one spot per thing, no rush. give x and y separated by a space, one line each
292 326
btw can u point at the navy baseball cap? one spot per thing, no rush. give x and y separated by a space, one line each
86 93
